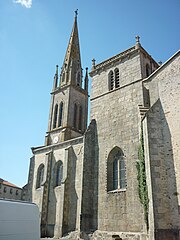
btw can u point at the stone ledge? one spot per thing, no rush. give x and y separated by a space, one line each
103 235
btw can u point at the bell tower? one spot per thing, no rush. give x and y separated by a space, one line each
69 100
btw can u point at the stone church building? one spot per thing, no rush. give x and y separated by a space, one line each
119 177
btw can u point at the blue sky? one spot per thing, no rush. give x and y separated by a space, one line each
33 39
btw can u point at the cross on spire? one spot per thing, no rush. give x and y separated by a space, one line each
76 12
137 39
138 44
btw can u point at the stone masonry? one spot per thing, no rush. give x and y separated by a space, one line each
85 180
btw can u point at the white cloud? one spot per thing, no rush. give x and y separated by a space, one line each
25 3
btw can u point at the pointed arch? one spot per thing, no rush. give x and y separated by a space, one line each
116 73
40 175
111 80
116 171
61 106
58 173
55 116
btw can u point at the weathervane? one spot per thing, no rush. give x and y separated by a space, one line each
76 12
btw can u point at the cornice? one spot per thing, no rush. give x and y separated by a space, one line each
120 56
116 89
58 145
112 59
62 88
60 129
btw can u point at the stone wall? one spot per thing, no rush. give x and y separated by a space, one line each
129 71
103 235
118 124
163 132
56 98
69 95
89 209
61 205
10 192
78 96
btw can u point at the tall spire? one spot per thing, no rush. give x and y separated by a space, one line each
69 101
71 72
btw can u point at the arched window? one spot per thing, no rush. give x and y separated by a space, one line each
40 176
111 80
147 70
55 116
75 115
116 171
60 114
80 118
116 72
58 173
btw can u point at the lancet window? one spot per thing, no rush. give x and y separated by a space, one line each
116 73
60 114
40 176
116 170
58 173
55 116
113 78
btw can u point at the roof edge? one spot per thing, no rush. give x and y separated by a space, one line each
109 60
162 66
118 56
67 142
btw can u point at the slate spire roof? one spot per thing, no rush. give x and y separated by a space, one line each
73 49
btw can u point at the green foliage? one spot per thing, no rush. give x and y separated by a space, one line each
142 185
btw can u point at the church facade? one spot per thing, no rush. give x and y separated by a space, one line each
118 177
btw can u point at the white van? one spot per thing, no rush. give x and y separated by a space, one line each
19 220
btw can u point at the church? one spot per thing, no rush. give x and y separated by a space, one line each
119 177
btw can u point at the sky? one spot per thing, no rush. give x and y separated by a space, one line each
33 38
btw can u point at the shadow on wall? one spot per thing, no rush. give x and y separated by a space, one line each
164 187
89 210
52 201
70 197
